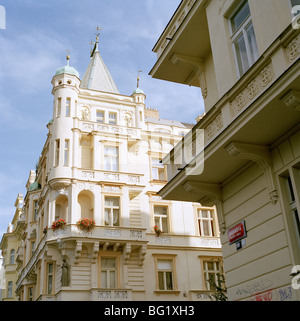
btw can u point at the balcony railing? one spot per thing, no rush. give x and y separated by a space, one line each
111 295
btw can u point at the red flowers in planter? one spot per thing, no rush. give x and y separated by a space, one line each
157 230
86 224
58 224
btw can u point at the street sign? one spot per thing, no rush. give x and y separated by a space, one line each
237 233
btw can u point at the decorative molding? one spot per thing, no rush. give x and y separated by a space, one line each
209 195
197 65
293 49
88 174
253 88
292 99
260 155
142 254
215 126
126 253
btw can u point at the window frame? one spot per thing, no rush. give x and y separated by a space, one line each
66 152
12 256
68 107
115 122
111 210
57 152
157 167
117 157
99 118
109 254
205 271
212 219
166 257
242 31
48 275
10 285
161 217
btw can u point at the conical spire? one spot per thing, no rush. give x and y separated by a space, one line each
97 76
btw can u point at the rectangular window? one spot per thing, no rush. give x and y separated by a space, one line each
243 38
111 158
293 206
205 222
100 116
32 247
57 147
161 218
49 278
112 119
35 210
158 170
68 107
165 274
30 294
112 211
211 269
108 273
66 153
9 289
58 107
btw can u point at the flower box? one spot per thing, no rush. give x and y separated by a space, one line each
86 224
58 224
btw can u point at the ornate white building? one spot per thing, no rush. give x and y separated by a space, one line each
101 161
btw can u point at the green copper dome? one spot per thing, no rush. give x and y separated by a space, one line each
67 69
137 91
34 186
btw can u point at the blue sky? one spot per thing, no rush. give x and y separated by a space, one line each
33 46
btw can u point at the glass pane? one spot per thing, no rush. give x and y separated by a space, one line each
107 215
169 281
161 284
204 214
297 221
211 277
161 174
205 225
111 201
103 279
108 263
241 55
164 265
160 210
210 266
116 217
154 173
50 268
252 43
112 279
164 223
156 221
240 16
49 284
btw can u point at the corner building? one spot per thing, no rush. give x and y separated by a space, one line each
101 161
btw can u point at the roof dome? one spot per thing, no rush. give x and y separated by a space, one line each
67 69
34 186
138 91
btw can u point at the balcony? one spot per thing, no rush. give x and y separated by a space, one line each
111 295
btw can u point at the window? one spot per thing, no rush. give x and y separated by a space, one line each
35 210
68 107
100 116
57 143
49 278
112 118
30 294
111 158
32 247
58 107
12 257
108 273
9 289
165 274
158 170
66 153
211 269
161 218
293 206
243 38
205 222
112 211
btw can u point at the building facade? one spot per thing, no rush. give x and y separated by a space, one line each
244 55
100 165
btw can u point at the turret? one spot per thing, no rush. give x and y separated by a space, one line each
66 84
139 98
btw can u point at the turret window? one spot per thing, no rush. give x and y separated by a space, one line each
100 116
66 153
57 147
58 114
68 107
112 118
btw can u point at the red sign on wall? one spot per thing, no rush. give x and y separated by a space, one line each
237 232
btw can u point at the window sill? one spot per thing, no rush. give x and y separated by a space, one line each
158 292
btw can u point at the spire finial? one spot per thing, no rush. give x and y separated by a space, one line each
98 33
138 77
68 57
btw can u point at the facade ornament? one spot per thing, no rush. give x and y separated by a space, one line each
260 155
65 274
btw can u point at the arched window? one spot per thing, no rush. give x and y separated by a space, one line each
61 207
86 204
12 257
